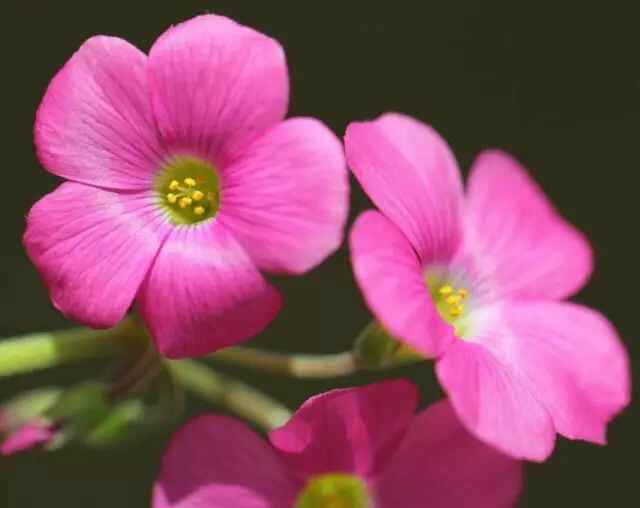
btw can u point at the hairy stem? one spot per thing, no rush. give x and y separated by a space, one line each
38 351
239 398
293 365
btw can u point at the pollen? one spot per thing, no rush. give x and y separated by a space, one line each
172 198
190 182
197 195
449 301
185 202
174 185
199 210
445 290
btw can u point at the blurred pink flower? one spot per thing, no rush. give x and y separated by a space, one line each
356 448
184 182
26 437
478 282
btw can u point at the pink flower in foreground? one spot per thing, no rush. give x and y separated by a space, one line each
477 282
352 448
184 182
26 437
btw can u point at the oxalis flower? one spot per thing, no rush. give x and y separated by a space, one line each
350 448
184 182
477 281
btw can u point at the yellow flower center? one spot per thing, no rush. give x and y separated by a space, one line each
450 301
189 190
334 491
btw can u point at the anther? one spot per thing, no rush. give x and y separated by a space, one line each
457 310
185 202
197 195
174 185
172 198
463 293
453 299
189 182
445 290
198 210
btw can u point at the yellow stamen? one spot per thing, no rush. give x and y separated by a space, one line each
172 198
174 185
445 290
197 195
453 299
463 292
189 182
457 310
198 210
185 202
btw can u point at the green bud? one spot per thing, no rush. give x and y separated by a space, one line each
334 491
376 349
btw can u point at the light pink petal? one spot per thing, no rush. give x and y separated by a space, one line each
351 430
218 462
409 172
519 240
394 285
571 358
216 85
26 437
204 293
440 465
286 198
495 403
95 123
93 248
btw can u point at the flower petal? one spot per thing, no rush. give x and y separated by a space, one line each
519 239
572 360
286 198
351 430
440 465
95 123
394 287
204 293
218 462
411 175
494 403
93 248
26 437
216 85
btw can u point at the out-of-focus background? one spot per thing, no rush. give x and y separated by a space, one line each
559 88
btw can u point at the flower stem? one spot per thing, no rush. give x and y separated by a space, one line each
293 365
38 351
237 397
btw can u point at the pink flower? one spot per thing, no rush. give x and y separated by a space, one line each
478 282
184 182
355 448
26 437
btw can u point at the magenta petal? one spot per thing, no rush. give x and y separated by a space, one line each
26 437
519 239
93 248
573 361
218 462
286 198
495 403
351 430
409 172
216 85
440 465
394 286
204 293
95 123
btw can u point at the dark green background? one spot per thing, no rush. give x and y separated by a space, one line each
557 87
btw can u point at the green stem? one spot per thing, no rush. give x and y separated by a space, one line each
237 397
38 351
293 365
